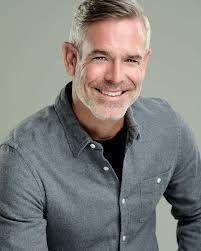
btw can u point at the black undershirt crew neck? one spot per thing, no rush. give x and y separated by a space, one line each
114 150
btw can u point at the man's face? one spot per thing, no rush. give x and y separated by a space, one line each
109 75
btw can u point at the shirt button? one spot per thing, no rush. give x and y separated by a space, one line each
92 146
158 181
106 168
124 238
123 201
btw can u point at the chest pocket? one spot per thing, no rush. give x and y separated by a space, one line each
151 191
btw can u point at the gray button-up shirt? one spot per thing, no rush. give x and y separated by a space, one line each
58 192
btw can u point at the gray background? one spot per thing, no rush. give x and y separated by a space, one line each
32 72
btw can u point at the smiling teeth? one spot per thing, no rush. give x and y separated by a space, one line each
111 94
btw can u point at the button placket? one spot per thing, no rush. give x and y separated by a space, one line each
124 216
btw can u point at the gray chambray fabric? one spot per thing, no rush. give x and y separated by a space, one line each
56 194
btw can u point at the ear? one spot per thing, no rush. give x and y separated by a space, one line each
145 61
69 57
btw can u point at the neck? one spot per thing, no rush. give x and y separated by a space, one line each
103 130
98 129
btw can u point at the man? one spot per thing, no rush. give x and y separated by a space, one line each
87 172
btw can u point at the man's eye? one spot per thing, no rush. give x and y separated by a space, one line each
130 60
100 58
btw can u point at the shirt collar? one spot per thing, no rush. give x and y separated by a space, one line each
76 136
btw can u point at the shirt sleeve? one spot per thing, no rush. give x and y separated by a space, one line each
22 222
184 191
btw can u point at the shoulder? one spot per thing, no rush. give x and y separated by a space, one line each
153 106
156 110
157 117
33 130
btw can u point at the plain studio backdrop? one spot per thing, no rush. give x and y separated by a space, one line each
32 71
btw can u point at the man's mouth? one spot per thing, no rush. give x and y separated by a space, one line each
110 94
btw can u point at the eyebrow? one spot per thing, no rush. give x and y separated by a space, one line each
102 52
107 53
135 57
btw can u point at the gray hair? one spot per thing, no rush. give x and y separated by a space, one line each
90 11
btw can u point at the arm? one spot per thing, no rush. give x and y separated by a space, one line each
22 225
184 192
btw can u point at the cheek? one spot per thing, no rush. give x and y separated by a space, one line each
95 71
136 76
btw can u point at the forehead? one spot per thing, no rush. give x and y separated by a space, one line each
117 35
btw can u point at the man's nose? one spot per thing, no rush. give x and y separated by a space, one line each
114 73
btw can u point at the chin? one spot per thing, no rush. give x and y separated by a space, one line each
108 115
